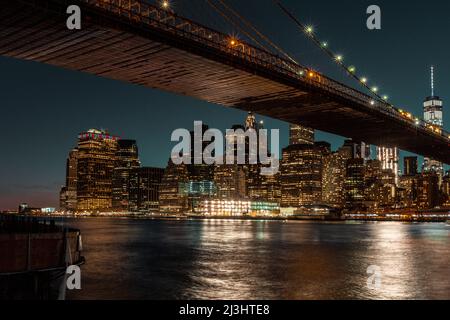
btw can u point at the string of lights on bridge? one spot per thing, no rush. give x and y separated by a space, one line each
310 32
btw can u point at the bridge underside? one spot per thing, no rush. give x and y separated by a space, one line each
129 52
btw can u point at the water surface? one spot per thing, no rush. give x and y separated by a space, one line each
229 259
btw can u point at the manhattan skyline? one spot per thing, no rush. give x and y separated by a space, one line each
45 107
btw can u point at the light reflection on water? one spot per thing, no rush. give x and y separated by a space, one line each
233 259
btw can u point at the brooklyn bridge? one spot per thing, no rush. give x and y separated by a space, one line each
149 45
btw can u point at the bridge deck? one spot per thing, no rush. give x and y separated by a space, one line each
115 46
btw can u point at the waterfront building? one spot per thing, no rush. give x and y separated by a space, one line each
388 195
218 207
197 169
23 208
299 134
355 183
238 208
333 179
373 185
257 186
171 197
68 194
428 190
144 185
301 174
230 181
446 189
270 188
127 159
264 208
196 191
96 161
409 184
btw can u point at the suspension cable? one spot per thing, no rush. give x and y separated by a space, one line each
216 8
324 48
260 34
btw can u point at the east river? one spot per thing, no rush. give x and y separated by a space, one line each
236 259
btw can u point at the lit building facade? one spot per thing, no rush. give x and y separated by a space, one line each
433 114
68 195
428 191
144 185
355 183
171 197
373 192
409 184
446 189
356 150
127 159
230 181
300 135
196 191
301 174
95 166
410 166
389 158
333 179
231 208
238 208
198 170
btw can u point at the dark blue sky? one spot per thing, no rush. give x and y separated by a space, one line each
44 108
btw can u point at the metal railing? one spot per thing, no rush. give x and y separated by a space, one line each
139 11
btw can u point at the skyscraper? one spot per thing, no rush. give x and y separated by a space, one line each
96 161
333 179
198 170
68 194
230 181
389 158
144 186
301 174
299 134
127 158
433 114
410 166
171 197
428 191
356 150
355 183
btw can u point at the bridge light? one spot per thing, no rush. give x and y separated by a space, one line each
374 89
165 4
339 58
309 29
364 80
385 98
324 44
233 42
351 69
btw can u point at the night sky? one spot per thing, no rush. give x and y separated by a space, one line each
44 107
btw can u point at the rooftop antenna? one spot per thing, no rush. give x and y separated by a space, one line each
432 81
